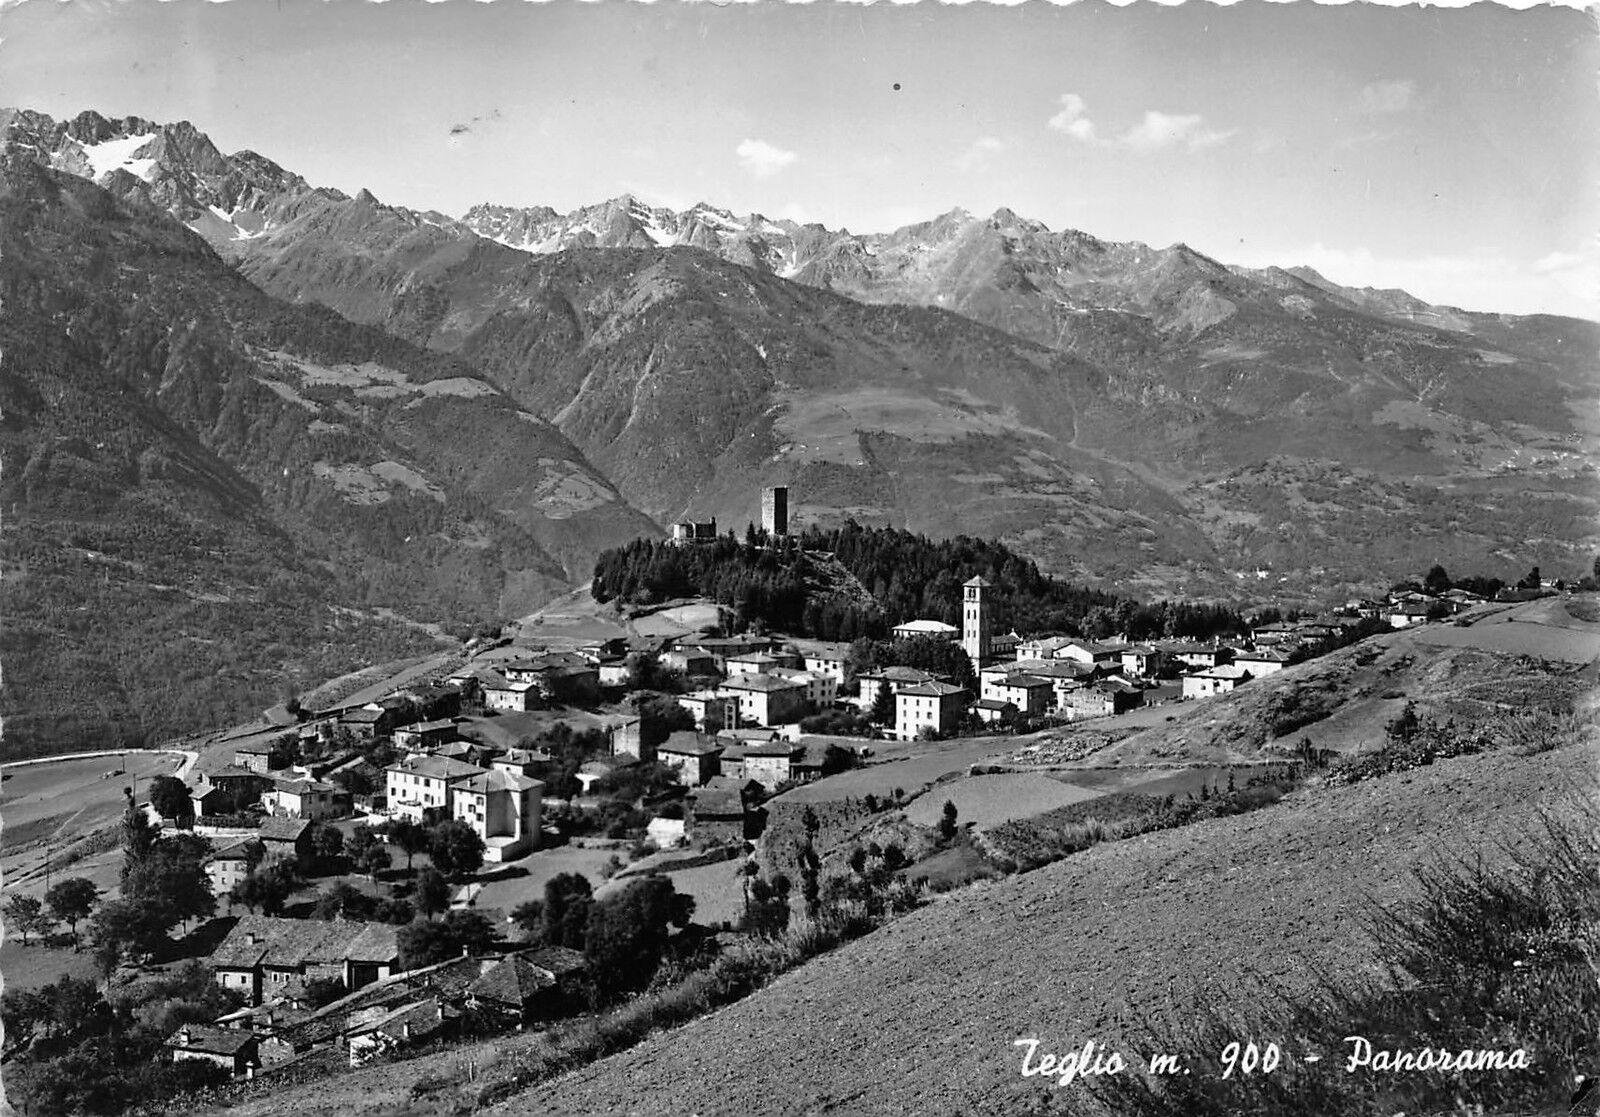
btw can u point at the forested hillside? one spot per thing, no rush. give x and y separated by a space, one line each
894 576
208 491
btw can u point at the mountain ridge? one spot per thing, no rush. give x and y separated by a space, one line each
1127 414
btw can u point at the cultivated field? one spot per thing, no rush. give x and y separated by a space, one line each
46 808
991 800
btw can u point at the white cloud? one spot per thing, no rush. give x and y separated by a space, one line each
1386 96
1160 130
1073 119
763 159
1157 131
979 152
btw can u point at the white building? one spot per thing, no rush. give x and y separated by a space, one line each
912 629
503 809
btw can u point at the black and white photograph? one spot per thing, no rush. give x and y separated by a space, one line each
759 558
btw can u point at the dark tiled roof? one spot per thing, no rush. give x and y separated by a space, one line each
513 981
765 684
685 742
283 829
290 943
558 960
436 767
212 1040
932 690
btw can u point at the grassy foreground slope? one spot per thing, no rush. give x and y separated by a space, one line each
921 1016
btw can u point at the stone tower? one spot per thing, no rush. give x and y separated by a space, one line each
976 621
775 511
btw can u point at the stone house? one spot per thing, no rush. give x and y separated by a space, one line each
254 756
262 955
286 838
771 763
693 756
1261 661
232 1050
424 735
717 813
514 697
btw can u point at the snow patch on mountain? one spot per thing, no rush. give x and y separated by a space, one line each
119 154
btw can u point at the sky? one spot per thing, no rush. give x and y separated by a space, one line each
1448 151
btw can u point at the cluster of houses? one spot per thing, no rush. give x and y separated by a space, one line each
272 963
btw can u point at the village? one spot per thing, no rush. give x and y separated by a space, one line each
537 761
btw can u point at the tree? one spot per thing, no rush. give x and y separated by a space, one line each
26 913
356 843
470 931
126 928
456 848
343 901
411 837
766 906
1404 727
1531 580
810 863
267 887
1437 580
139 835
882 706
329 842
628 932
374 860
171 880
433 892
323 991
947 822
72 900
565 913
424 942
170 797
660 716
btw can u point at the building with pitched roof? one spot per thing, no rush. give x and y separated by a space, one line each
312 800
288 838
895 678
694 756
910 630
935 707
711 711
232 1050
503 809
263 954
418 786
767 699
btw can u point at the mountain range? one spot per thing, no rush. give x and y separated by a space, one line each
469 409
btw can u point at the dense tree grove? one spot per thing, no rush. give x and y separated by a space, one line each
786 586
